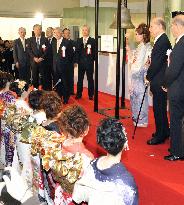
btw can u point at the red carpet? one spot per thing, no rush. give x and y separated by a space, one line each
159 182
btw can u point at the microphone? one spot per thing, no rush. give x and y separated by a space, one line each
56 84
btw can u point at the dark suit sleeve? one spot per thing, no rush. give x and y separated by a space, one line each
74 52
70 50
77 52
157 61
94 49
176 65
15 57
30 51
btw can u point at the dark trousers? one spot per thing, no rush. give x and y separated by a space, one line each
89 70
24 73
48 77
160 114
72 79
39 75
176 116
63 88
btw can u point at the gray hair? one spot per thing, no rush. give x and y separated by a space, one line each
179 19
58 29
37 25
86 27
22 28
50 28
160 21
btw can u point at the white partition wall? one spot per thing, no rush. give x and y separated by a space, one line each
9 26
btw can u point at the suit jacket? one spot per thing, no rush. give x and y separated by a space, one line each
158 65
74 45
58 57
81 52
19 55
174 76
50 54
41 52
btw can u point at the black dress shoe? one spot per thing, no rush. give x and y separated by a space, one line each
78 97
173 158
91 98
154 141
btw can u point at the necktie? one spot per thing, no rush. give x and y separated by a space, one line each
84 42
38 42
23 43
50 40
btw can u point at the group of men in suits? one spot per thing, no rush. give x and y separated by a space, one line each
50 60
166 77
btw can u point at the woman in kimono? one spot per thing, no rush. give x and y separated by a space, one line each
106 180
7 97
51 104
138 61
75 125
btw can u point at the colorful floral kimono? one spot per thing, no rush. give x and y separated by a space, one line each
65 185
8 98
137 86
111 186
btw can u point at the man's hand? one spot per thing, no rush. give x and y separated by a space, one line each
17 64
164 89
36 59
40 60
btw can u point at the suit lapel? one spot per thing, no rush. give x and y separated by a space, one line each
157 43
20 44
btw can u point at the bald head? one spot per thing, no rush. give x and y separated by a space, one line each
157 26
177 26
179 20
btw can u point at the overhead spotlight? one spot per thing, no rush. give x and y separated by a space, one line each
39 17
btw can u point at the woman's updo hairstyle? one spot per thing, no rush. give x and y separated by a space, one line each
143 29
111 136
74 121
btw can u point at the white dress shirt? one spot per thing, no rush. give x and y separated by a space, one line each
23 43
59 43
85 40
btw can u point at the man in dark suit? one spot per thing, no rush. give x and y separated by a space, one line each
67 35
21 56
174 82
155 76
50 38
62 59
85 52
38 51
8 56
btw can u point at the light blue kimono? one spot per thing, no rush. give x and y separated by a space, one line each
137 87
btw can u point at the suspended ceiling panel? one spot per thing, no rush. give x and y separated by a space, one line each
25 8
